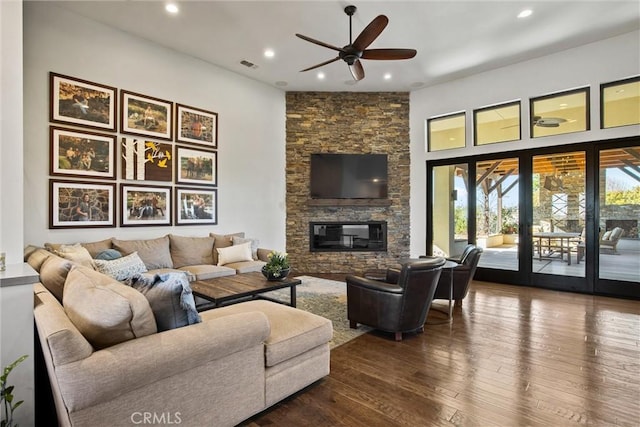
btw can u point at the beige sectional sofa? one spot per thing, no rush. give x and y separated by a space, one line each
109 365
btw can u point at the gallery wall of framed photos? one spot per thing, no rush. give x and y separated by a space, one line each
159 167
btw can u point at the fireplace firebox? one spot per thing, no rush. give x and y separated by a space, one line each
348 236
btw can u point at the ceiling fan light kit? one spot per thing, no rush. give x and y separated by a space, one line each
356 50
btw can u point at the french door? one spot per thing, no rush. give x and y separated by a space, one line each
562 218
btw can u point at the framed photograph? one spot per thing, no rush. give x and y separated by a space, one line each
82 153
195 166
196 126
82 103
559 113
144 160
79 204
146 116
144 206
196 206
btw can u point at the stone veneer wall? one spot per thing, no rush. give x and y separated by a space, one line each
346 122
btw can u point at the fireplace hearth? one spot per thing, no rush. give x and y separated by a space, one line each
348 236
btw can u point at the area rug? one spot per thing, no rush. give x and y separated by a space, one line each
326 298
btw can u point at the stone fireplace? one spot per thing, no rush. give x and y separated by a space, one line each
350 123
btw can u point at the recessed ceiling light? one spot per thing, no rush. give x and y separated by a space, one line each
387 76
171 8
321 75
269 53
525 13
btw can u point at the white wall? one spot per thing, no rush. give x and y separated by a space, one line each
589 65
251 115
11 130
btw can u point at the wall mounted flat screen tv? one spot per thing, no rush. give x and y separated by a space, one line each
348 176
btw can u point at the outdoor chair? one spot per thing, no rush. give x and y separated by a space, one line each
609 240
397 304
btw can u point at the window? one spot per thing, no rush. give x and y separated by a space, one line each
446 132
498 123
620 103
560 113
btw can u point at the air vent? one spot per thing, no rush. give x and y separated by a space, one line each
248 64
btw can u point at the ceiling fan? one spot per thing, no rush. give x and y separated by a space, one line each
356 50
548 122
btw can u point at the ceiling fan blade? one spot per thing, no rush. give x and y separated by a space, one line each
318 42
388 54
371 32
356 70
321 64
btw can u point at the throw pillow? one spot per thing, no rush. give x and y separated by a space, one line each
234 253
108 255
191 250
75 253
154 252
121 268
222 241
170 298
95 248
254 245
105 311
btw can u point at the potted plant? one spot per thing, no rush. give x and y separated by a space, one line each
277 267
6 395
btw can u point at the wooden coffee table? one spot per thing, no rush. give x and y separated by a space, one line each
240 287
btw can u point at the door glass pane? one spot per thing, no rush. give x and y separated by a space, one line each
450 209
497 213
619 244
559 214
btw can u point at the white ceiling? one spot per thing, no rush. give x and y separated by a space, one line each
453 38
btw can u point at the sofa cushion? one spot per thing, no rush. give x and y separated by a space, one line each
170 298
104 310
246 266
95 248
121 268
75 253
191 250
207 271
222 241
293 331
154 252
235 253
254 245
37 258
53 274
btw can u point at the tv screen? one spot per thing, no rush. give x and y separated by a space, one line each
349 176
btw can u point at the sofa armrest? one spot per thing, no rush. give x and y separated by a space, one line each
143 361
263 254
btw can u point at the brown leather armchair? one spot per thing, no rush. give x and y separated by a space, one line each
399 303
462 275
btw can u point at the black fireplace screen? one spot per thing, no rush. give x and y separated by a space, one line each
350 236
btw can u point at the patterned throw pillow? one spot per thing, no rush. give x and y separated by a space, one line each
170 298
121 268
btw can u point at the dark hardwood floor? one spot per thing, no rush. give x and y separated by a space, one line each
513 356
